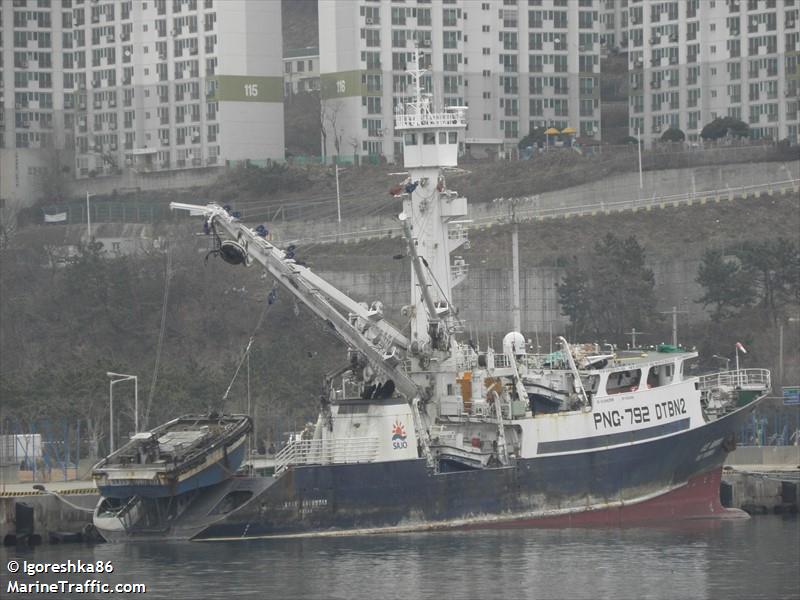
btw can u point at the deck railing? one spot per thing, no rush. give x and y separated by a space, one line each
442 119
740 378
323 452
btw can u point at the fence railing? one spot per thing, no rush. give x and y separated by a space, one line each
322 452
728 193
741 378
444 119
541 213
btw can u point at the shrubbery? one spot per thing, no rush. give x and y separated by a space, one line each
724 126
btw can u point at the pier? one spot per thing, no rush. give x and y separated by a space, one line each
762 479
29 515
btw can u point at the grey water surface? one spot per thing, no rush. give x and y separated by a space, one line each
755 558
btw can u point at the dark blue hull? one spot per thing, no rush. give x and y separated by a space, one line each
404 494
211 475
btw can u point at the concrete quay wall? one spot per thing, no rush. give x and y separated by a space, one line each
50 514
782 457
762 479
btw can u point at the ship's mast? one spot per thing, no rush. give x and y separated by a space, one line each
430 143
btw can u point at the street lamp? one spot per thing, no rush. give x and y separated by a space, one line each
337 170
639 152
338 198
88 217
789 320
116 378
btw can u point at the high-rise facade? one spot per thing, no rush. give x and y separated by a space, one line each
523 64
517 65
300 70
152 85
691 61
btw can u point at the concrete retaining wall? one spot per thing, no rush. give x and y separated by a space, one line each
484 297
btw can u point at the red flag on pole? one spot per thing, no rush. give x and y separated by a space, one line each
739 346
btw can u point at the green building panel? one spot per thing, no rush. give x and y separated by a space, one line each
247 88
344 84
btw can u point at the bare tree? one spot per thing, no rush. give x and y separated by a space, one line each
323 132
8 225
330 115
354 142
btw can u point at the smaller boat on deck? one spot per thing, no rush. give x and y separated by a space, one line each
149 482
184 454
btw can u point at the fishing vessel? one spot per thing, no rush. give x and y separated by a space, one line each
150 481
426 429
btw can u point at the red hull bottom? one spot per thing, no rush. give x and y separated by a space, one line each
697 499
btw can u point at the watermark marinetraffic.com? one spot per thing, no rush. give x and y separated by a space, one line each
26 569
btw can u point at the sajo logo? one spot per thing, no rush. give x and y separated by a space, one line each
399 436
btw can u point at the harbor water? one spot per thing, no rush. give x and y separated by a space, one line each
755 558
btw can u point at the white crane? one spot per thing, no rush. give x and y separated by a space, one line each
363 329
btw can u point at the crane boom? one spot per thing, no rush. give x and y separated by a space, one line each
318 295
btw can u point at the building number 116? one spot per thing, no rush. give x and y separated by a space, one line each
251 90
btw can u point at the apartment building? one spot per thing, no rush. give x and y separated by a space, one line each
151 85
516 64
300 70
691 61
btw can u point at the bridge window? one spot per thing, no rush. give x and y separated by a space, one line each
453 137
411 139
622 382
687 367
442 137
659 375
429 138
